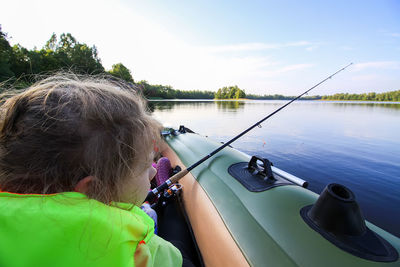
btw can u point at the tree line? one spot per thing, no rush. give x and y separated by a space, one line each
387 96
280 97
167 92
19 66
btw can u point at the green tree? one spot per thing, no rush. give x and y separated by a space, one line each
232 92
120 71
218 94
240 94
225 92
70 54
67 42
6 56
51 44
21 64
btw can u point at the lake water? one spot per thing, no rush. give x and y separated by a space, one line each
356 144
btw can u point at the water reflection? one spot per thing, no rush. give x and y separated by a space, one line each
355 107
229 105
223 105
369 104
169 105
226 105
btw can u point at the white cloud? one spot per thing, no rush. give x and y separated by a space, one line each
294 67
346 47
255 46
283 69
394 34
312 48
366 78
376 65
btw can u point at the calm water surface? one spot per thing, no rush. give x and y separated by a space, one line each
356 144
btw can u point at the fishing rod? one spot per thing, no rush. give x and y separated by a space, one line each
153 193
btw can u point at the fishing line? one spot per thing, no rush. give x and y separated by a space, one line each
153 193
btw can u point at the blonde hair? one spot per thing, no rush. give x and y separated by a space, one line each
67 127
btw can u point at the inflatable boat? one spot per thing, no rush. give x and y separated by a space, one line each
244 212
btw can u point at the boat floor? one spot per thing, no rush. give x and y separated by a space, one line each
174 227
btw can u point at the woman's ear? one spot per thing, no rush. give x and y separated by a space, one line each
83 185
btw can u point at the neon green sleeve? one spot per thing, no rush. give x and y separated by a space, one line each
157 252
164 253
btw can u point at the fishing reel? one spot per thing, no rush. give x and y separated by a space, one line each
168 195
172 191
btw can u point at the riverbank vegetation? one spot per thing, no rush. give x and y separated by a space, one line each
20 67
387 96
280 97
167 92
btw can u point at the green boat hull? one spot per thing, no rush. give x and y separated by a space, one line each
266 226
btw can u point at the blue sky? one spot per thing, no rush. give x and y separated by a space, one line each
264 47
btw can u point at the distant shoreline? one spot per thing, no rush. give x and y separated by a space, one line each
349 100
249 99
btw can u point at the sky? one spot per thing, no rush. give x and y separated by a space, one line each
264 47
